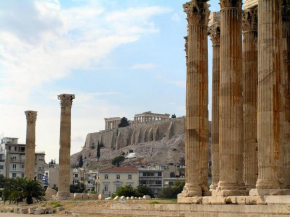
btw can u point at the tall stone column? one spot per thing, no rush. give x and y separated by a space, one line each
30 144
286 88
250 89
214 32
231 101
65 144
270 156
196 143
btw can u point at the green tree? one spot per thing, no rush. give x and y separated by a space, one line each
98 151
124 123
172 192
19 189
127 191
81 162
144 190
173 116
118 160
78 188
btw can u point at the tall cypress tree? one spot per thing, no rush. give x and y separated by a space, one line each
98 151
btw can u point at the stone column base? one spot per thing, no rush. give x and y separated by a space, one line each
264 192
189 200
226 193
63 196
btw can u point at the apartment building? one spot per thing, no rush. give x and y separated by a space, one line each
111 179
90 180
152 177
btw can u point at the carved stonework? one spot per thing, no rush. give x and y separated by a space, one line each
197 12
66 99
231 4
250 19
186 48
215 35
31 116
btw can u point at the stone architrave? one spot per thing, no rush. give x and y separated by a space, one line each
270 155
214 33
30 144
286 88
65 145
196 145
231 101
250 89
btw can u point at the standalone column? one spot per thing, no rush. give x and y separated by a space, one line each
64 150
286 88
30 144
196 102
231 101
269 98
250 81
214 32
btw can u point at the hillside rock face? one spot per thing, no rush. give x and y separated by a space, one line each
157 143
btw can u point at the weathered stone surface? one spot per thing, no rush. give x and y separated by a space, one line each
146 197
65 145
250 89
93 196
78 196
189 200
231 101
250 4
30 144
196 129
116 198
49 192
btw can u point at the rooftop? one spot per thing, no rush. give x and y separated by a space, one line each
121 169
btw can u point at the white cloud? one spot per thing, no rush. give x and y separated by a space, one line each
176 17
41 42
144 66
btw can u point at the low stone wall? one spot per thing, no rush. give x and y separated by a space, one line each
194 210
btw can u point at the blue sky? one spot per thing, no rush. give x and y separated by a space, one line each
120 57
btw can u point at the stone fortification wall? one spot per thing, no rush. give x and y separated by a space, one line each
122 137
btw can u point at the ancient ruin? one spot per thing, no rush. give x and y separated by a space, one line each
30 144
112 123
250 112
149 117
64 146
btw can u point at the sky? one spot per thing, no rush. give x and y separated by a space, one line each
119 57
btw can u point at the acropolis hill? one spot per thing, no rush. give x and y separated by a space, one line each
153 141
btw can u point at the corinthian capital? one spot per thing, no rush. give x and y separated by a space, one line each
214 28
250 19
231 4
31 116
66 99
197 12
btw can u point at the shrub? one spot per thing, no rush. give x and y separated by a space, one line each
172 192
144 190
118 160
127 191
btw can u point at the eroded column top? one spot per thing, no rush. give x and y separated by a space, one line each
66 99
197 12
230 4
214 27
250 19
31 116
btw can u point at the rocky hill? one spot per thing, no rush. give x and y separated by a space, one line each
157 143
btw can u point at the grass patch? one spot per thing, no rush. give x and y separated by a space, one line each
154 202
55 204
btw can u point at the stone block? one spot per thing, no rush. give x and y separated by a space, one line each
93 196
189 200
122 198
23 211
132 198
116 198
38 211
217 200
49 193
101 197
255 200
146 197
280 199
48 211
78 196
58 209
127 198
31 211
227 193
85 197
241 200
264 192
231 200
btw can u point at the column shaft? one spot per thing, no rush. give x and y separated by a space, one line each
231 100
30 145
65 145
196 143
214 32
269 96
250 80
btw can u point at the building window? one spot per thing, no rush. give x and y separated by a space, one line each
142 182
129 176
14 166
22 175
159 174
39 176
1 167
22 165
144 174
15 148
106 176
76 175
13 175
158 182
118 176
106 188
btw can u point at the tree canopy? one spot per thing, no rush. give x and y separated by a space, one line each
124 123
118 160
81 162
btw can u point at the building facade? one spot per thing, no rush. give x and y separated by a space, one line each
110 180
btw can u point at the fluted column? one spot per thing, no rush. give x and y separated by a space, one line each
231 101
65 144
286 88
250 81
30 144
269 97
196 143
214 32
